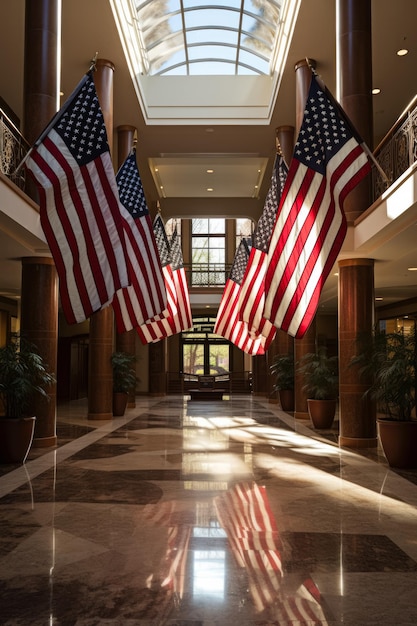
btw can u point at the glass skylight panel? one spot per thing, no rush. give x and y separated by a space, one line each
168 26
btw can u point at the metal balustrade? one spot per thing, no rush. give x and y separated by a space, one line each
13 148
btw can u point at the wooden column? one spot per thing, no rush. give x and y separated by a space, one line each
356 281
39 291
354 77
100 375
285 139
126 342
308 342
356 318
39 325
301 347
41 70
283 343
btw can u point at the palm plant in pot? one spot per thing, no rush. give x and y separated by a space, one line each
124 380
321 379
23 374
388 361
282 369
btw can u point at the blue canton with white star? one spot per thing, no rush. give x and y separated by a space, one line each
130 188
241 259
162 242
323 132
81 126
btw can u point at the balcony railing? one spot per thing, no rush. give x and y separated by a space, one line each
13 148
397 151
207 274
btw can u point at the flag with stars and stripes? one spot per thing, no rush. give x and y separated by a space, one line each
252 291
146 296
159 326
79 204
228 324
328 162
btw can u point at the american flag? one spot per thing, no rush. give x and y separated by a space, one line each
157 327
183 319
228 324
328 162
245 514
252 290
79 204
146 296
179 524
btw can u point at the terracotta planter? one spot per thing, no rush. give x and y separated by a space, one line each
286 399
399 442
119 403
321 412
16 437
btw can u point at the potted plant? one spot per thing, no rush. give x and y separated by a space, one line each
282 369
388 361
23 374
124 380
320 375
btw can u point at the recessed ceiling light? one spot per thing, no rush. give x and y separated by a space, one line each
379 298
376 91
412 269
402 52
210 171
210 189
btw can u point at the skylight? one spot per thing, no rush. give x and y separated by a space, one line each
189 37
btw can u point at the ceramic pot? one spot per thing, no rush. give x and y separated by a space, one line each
16 436
286 399
399 442
119 403
321 412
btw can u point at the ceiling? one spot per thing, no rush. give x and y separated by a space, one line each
183 152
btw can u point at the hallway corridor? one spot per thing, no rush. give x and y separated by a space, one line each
202 513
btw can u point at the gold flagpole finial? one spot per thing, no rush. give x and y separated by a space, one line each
277 144
158 207
135 139
93 62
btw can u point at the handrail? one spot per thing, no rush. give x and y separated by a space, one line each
397 151
13 148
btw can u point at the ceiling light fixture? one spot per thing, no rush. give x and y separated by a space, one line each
402 52
375 91
210 171
210 189
412 269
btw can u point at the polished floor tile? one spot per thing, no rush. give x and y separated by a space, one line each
194 513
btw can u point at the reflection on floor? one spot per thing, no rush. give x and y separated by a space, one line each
205 514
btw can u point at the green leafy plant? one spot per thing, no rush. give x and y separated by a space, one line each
388 362
320 374
282 369
124 376
23 374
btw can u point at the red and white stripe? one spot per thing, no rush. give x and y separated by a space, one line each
80 215
307 237
229 326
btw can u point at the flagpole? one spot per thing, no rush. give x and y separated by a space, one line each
361 142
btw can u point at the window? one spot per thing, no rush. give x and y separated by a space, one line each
208 252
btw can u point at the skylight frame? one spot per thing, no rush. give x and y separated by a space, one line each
160 65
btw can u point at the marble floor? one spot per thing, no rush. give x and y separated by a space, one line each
195 513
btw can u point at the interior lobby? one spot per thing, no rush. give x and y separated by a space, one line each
204 509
